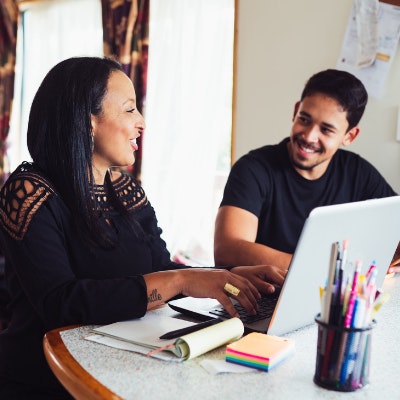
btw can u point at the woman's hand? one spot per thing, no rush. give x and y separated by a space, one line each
206 282
262 276
210 282
201 282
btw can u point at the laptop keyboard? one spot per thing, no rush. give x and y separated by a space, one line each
266 306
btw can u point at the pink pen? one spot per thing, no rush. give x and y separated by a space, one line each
371 268
352 297
371 284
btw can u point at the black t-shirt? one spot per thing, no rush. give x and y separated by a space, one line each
265 183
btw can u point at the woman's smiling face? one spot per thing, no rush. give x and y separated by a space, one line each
118 126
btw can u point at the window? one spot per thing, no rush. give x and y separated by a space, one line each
52 31
186 147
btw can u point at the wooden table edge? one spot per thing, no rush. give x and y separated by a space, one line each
78 382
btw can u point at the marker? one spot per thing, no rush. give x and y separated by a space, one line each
353 295
371 286
371 274
350 350
369 292
193 328
344 254
331 278
346 295
339 296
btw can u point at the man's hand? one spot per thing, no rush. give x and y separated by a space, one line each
262 276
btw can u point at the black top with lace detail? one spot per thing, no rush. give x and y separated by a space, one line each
23 195
54 280
26 190
128 191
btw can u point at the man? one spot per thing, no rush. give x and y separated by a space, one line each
271 190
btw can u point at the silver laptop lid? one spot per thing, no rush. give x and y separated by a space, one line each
372 228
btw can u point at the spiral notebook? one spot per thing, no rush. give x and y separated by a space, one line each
372 228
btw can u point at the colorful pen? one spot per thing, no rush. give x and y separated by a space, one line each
352 297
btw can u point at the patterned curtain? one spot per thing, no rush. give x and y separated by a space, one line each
125 36
9 13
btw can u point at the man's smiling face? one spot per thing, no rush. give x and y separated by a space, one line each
319 129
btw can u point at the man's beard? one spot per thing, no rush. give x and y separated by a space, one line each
303 167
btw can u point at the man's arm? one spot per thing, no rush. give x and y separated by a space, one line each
234 241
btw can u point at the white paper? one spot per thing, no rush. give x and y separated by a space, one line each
123 345
356 52
215 367
144 333
367 31
145 330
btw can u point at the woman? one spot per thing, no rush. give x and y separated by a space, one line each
81 243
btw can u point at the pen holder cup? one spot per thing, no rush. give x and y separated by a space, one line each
343 356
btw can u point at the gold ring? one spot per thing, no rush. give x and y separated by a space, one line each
233 290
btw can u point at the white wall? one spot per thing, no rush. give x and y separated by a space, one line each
280 44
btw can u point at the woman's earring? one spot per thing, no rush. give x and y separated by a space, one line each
92 142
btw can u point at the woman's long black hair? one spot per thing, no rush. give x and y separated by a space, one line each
60 136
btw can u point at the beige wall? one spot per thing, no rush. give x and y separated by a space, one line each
279 45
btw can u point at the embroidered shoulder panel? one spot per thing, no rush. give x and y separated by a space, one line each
128 191
20 198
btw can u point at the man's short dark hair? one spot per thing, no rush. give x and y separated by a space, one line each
342 86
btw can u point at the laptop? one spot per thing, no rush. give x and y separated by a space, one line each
372 228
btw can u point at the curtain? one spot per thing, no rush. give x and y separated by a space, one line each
189 118
76 30
125 36
9 13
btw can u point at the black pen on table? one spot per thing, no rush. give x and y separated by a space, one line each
192 328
